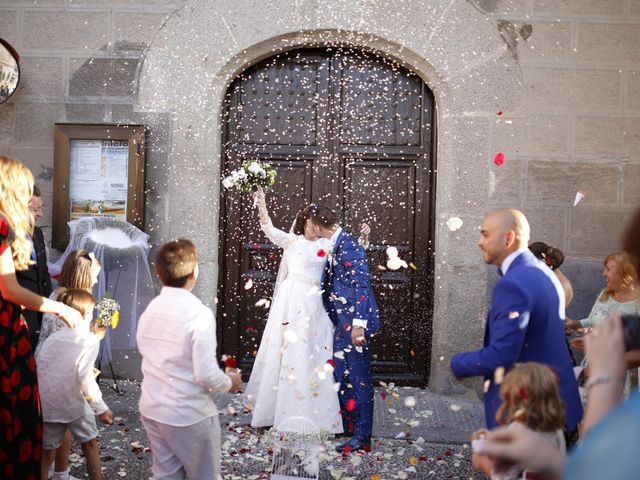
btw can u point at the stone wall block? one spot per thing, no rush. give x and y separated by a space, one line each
78 31
531 135
42 76
556 183
548 89
596 231
548 225
635 8
549 41
85 112
631 185
9 26
102 77
8 123
608 43
607 136
592 7
469 146
491 86
633 90
35 123
137 28
506 183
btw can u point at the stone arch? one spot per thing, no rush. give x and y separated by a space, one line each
454 48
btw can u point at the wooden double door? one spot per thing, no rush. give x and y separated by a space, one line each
354 131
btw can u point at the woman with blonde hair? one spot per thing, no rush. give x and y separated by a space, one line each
619 295
21 443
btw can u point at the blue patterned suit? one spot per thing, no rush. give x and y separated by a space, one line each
347 296
524 324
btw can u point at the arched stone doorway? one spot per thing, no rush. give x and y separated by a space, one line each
203 47
353 130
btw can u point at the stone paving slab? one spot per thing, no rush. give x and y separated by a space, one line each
433 448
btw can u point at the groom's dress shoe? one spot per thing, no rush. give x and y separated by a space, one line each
354 445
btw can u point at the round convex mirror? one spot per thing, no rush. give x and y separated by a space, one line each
9 71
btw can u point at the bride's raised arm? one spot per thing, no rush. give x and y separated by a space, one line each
277 236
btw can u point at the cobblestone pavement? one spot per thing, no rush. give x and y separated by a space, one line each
425 440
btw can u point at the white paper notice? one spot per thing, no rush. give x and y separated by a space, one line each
98 178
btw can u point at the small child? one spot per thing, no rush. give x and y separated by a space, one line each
69 393
177 340
530 396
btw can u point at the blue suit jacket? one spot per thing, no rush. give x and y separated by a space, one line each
347 294
531 291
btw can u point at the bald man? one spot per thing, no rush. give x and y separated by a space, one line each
525 319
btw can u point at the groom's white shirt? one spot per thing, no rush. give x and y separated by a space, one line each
357 322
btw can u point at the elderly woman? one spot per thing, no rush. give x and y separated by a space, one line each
619 295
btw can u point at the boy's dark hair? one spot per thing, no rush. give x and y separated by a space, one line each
324 217
76 298
175 261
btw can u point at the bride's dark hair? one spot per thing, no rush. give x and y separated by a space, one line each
302 216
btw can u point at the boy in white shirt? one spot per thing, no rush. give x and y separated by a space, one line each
177 340
69 393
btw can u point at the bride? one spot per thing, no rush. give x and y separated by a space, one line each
292 376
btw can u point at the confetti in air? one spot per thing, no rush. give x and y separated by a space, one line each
499 159
394 262
579 197
249 284
454 224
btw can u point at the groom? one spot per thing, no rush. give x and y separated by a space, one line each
351 305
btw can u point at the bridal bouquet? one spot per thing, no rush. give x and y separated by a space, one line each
108 313
251 175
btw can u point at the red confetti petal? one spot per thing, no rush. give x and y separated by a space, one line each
362 297
230 362
250 329
499 158
332 362
351 404
347 264
500 113
321 253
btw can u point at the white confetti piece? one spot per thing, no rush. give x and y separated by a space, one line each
410 402
455 407
454 224
578 199
249 284
290 336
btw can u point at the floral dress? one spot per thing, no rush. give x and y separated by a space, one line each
20 414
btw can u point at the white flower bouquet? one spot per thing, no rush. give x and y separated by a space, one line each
108 313
251 175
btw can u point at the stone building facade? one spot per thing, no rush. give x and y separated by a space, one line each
553 84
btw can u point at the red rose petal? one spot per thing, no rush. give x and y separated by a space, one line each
498 159
347 264
250 329
230 362
500 113
321 253
332 362
351 404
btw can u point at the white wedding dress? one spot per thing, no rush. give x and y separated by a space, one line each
291 378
